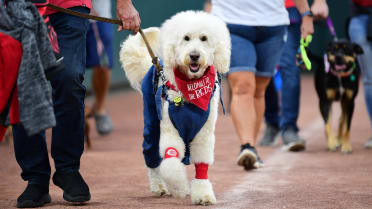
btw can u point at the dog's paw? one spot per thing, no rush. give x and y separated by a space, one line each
202 192
346 148
157 185
173 172
333 144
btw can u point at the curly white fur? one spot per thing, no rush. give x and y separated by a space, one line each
182 35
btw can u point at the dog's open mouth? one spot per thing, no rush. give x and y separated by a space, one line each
340 67
194 67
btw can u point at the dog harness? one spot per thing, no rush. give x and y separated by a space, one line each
188 118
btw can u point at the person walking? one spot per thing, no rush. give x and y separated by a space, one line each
68 98
284 118
360 32
258 33
100 58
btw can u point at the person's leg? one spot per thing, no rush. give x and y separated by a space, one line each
242 105
358 35
32 156
242 81
271 115
68 98
290 73
101 83
290 96
102 76
259 101
268 51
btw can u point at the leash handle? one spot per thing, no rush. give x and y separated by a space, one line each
305 43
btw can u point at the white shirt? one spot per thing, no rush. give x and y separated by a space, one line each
251 12
102 7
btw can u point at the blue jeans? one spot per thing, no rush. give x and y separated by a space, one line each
290 93
358 35
68 98
256 49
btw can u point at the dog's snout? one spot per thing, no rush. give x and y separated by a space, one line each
194 56
339 58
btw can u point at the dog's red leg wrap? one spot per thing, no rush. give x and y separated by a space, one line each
201 171
170 152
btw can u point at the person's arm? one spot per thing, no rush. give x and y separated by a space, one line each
307 27
320 9
129 16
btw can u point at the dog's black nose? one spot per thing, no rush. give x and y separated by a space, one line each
194 56
339 59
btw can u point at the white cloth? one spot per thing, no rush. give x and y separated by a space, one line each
251 12
102 8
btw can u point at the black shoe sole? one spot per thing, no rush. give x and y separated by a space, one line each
247 159
76 199
45 199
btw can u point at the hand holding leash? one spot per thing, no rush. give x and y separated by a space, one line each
128 15
305 43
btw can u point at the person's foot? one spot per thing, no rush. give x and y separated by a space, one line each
73 185
248 157
35 195
292 142
270 135
259 163
368 144
103 123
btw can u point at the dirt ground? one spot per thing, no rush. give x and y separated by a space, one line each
115 171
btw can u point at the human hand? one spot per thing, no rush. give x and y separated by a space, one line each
128 15
307 26
320 9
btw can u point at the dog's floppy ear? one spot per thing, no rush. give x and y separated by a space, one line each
222 52
357 49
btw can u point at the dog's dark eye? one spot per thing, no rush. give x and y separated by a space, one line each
203 38
187 38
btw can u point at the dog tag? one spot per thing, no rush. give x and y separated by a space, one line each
177 101
352 78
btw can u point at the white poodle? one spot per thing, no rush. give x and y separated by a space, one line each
195 48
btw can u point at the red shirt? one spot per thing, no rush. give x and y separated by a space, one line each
69 3
363 3
289 4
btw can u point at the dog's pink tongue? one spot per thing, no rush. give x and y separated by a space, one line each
194 66
340 67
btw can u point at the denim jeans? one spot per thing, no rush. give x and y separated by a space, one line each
68 100
290 93
358 35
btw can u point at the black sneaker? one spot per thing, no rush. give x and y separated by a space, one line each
248 157
292 142
270 135
35 195
73 185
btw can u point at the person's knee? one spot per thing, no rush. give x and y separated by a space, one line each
243 88
70 84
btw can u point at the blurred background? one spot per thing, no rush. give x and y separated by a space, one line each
153 13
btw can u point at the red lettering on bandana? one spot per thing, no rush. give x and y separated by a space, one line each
197 91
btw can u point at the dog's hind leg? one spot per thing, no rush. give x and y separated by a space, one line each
157 185
347 105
